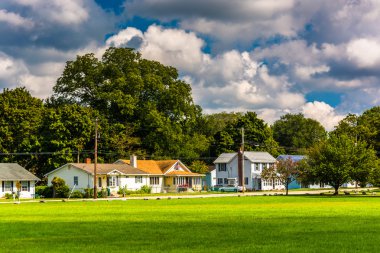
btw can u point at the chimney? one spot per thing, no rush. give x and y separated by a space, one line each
133 161
240 167
88 161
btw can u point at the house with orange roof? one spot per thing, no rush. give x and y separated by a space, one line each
166 175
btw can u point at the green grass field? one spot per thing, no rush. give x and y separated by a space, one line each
229 224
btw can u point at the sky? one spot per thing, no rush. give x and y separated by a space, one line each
320 58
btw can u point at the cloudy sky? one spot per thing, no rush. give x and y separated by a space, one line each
320 58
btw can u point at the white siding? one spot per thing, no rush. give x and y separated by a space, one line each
68 172
23 194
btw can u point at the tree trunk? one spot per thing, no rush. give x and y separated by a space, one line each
336 187
287 187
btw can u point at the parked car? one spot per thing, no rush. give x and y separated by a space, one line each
216 187
231 188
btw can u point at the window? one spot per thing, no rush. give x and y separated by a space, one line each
256 165
179 180
220 180
99 182
8 185
138 179
246 180
225 181
197 181
222 167
24 186
154 180
112 181
76 180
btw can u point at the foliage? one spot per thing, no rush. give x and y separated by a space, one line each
199 167
297 133
339 160
8 195
45 191
77 195
102 193
88 192
258 136
287 171
145 189
60 189
127 88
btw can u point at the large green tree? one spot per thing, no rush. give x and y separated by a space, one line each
297 133
258 136
20 120
339 160
147 97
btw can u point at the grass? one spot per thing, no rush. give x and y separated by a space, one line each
230 224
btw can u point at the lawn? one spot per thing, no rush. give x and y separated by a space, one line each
229 224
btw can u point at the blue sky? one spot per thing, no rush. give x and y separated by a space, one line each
320 58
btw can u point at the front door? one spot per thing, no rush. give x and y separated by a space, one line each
190 182
257 184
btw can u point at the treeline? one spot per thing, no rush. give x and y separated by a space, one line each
143 108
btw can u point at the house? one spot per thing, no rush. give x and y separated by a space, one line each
13 175
229 170
171 175
111 176
210 179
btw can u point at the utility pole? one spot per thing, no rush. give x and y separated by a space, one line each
95 158
242 162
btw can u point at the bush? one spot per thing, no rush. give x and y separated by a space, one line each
88 193
77 195
123 191
8 195
44 191
62 191
102 193
145 189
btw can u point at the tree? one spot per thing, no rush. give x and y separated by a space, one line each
145 96
287 172
339 160
20 120
60 189
258 135
369 123
297 133
199 167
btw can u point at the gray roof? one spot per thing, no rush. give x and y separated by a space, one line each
253 156
261 157
103 168
225 158
14 172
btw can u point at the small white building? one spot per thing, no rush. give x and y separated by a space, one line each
111 176
14 178
229 168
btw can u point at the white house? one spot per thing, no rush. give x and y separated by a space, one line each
166 175
111 176
229 169
13 175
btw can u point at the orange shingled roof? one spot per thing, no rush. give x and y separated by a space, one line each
152 166
183 173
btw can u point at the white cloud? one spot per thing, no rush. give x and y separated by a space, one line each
68 12
15 19
364 52
323 113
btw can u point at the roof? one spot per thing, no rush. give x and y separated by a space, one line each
183 173
261 157
152 166
14 172
104 168
225 157
253 156
294 158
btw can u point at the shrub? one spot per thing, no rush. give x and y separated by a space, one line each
62 191
102 193
145 189
77 195
88 193
44 191
8 195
